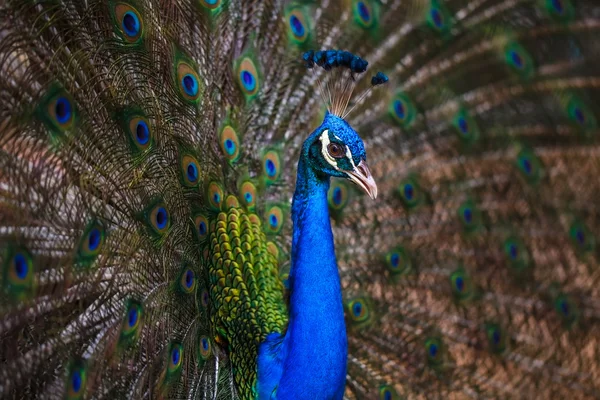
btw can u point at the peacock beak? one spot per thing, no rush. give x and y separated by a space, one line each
361 175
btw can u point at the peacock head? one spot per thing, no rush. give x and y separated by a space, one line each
335 149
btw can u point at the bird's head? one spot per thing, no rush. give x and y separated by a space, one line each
335 149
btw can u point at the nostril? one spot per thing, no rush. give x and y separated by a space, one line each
364 169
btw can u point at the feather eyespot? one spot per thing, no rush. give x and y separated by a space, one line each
512 250
271 166
248 195
402 110
18 273
516 59
337 196
582 237
190 170
581 115
560 9
557 6
230 143
60 111
567 309
299 28
215 195
364 13
519 59
336 150
129 22
466 127
358 310
247 75
410 193
175 357
188 281
158 218
398 261
387 392
131 321
529 166
204 298
399 109
438 18
20 267
274 216
460 282
517 255
91 243
469 216
140 132
201 223
188 82
463 125
76 381
133 318
296 25
435 350
496 338
204 347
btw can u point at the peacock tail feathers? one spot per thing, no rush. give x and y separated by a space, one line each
147 163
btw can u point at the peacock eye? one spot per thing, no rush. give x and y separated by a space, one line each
335 150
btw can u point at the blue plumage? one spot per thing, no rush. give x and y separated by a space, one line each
316 323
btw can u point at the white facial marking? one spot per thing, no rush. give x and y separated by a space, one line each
324 138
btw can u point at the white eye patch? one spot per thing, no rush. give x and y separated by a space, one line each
324 138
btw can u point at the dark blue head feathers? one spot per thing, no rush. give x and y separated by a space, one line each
329 59
379 79
335 149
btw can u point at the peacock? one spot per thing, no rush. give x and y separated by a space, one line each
293 199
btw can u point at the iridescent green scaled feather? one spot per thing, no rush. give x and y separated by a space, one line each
246 292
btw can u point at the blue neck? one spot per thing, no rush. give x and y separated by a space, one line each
312 356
